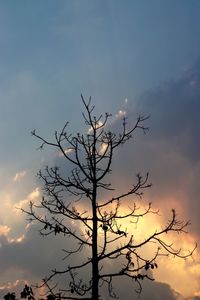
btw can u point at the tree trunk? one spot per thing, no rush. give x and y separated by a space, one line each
95 270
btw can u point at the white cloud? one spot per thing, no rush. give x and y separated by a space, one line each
121 114
31 197
18 239
11 285
98 125
4 229
66 151
19 175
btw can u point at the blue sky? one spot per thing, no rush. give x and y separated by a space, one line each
147 51
105 49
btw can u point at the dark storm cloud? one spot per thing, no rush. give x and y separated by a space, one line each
125 289
29 254
174 110
34 254
171 149
174 136
32 259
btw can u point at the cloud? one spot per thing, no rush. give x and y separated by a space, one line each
32 258
173 145
9 287
18 176
21 260
31 197
170 152
4 229
121 114
150 290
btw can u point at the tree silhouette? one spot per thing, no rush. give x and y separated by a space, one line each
73 206
10 296
27 293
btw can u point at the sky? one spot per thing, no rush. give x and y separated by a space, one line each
137 57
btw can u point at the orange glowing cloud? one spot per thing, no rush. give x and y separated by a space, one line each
4 230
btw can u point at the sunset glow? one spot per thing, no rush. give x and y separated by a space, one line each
134 58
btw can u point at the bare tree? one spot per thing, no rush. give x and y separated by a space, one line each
76 199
